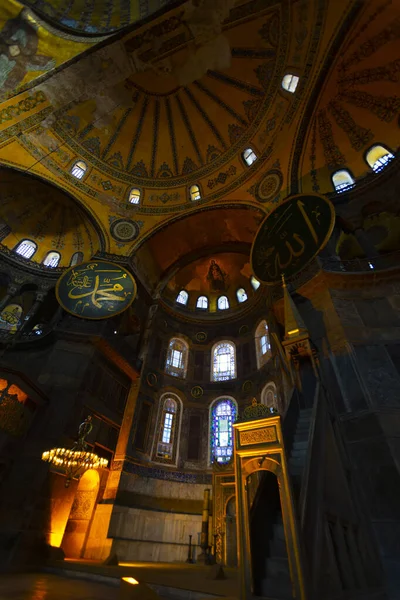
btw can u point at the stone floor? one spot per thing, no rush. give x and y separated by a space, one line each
37 586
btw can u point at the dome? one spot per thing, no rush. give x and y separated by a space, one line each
99 18
37 211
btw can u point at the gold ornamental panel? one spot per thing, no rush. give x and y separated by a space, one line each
258 436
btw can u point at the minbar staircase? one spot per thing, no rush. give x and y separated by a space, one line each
276 583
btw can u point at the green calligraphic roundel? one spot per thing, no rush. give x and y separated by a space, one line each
291 236
96 290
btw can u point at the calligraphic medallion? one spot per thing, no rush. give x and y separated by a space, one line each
291 236
96 290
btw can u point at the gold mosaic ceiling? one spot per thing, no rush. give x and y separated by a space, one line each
44 214
98 17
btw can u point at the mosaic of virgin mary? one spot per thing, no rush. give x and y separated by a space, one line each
18 46
216 277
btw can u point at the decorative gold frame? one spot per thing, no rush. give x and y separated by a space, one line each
259 446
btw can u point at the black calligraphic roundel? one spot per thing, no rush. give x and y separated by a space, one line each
291 236
96 290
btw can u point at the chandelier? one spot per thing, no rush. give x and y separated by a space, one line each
78 459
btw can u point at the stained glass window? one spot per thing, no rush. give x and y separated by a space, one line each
223 303
177 358
342 181
26 248
254 282
289 82
241 295
52 259
263 346
224 361
249 156
202 302
79 169
182 297
378 157
223 415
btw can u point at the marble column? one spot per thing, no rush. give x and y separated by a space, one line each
12 290
40 297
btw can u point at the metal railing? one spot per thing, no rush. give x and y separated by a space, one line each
361 265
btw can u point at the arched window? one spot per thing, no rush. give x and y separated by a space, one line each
378 157
269 396
289 82
52 259
168 424
11 317
342 181
194 192
254 282
134 196
263 346
249 156
222 416
241 295
202 302
177 356
79 169
223 303
26 248
182 297
223 357
76 259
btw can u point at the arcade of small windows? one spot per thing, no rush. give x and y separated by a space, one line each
241 295
222 416
76 259
182 297
223 356
52 259
249 156
79 169
289 82
342 181
177 356
194 192
202 302
223 303
263 346
26 248
134 196
378 157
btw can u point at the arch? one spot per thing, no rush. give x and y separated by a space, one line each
269 395
223 413
223 303
182 297
194 193
241 295
167 438
79 169
177 357
76 259
263 346
378 157
80 517
134 196
290 82
342 180
11 317
254 283
202 302
223 358
26 248
249 156
52 259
